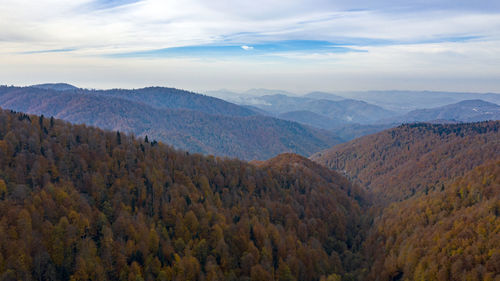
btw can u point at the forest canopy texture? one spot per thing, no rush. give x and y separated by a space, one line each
80 203
436 190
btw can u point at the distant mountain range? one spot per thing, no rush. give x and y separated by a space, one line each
324 96
259 128
333 113
394 100
405 101
163 98
463 111
185 120
354 114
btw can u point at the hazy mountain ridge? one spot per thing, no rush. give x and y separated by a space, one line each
401 101
171 98
354 114
311 118
56 86
251 137
405 101
340 112
463 111
324 96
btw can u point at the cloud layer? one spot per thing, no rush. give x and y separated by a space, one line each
445 45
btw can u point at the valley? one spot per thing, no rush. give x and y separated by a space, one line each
83 203
304 140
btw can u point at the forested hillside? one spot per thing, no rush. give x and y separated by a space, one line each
80 203
185 120
450 233
437 189
397 163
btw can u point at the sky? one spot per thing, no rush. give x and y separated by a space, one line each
293 45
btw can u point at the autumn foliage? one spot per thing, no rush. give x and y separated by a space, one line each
398 163
447 234
437 189
80 203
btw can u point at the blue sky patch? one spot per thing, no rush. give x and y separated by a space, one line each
244 50
108 4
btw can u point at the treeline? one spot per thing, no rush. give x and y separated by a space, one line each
80 203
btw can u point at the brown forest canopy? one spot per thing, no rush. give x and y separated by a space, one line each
439 192
452 233
397 163
80 203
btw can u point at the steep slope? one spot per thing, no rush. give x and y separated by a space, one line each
397 163
464 111
438 193
252 137
79 203
451 233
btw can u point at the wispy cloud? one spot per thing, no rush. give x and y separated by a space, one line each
345 35
49 51
108 4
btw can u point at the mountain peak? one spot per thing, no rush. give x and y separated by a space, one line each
55 86
477 102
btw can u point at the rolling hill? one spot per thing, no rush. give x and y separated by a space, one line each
235 131
397 163
436 189
171 98
80 203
